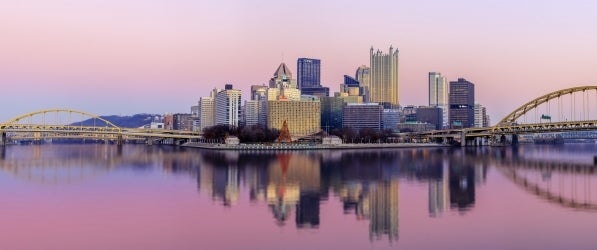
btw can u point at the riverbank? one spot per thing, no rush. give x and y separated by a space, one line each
292 146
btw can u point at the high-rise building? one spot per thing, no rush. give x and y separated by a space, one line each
462 102
228 106
480 116
207 110
255 109
282 86
309 77
309 73
438 95
384 77
363 78
251 114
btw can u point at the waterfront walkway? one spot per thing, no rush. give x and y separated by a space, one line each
295 146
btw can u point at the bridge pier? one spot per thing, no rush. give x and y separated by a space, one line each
514 140
119 140
463 138
3 139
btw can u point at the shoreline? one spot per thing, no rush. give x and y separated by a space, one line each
276 146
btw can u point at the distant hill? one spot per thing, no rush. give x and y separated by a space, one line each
133 121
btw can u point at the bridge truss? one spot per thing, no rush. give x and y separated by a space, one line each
73 124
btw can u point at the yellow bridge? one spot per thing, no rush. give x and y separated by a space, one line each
571 109
62 124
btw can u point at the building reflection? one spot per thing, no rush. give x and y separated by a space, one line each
293 184
293 181
439 192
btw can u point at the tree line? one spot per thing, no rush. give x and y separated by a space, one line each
260 133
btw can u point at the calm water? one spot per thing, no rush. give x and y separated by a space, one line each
140 197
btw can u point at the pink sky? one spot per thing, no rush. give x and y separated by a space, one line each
157 56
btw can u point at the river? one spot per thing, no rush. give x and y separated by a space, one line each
95 196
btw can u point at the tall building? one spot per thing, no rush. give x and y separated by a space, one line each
438 95
364 79
462 102
309 77
384 77
251 114
207 110
228 106
309 73
255 112
282 86
480 116
365 115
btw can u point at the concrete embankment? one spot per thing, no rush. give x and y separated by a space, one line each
291 146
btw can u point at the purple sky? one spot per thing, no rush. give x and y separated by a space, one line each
158 56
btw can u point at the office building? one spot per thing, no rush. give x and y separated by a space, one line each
282 86
462 102
309 77
481 118
383 87
331 113
364 115
251 112
207 110
363 78
431 115
228 106
391 119
308 73
438 95
302 117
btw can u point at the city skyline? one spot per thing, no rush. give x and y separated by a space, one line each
127 57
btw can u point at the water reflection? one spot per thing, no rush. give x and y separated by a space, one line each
293 186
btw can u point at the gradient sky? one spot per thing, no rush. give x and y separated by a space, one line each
157 56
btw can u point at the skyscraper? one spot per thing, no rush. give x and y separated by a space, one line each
480 116
227 106
384 77
308 78
462 103
283 86
364 79
438 95
309 72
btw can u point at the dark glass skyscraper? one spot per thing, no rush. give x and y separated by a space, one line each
308 78
462 104
309 73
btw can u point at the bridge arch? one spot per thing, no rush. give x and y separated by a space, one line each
20 118
522 110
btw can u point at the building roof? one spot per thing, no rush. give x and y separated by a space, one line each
282 71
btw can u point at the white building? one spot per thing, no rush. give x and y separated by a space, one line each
438 95
228 106
481 119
